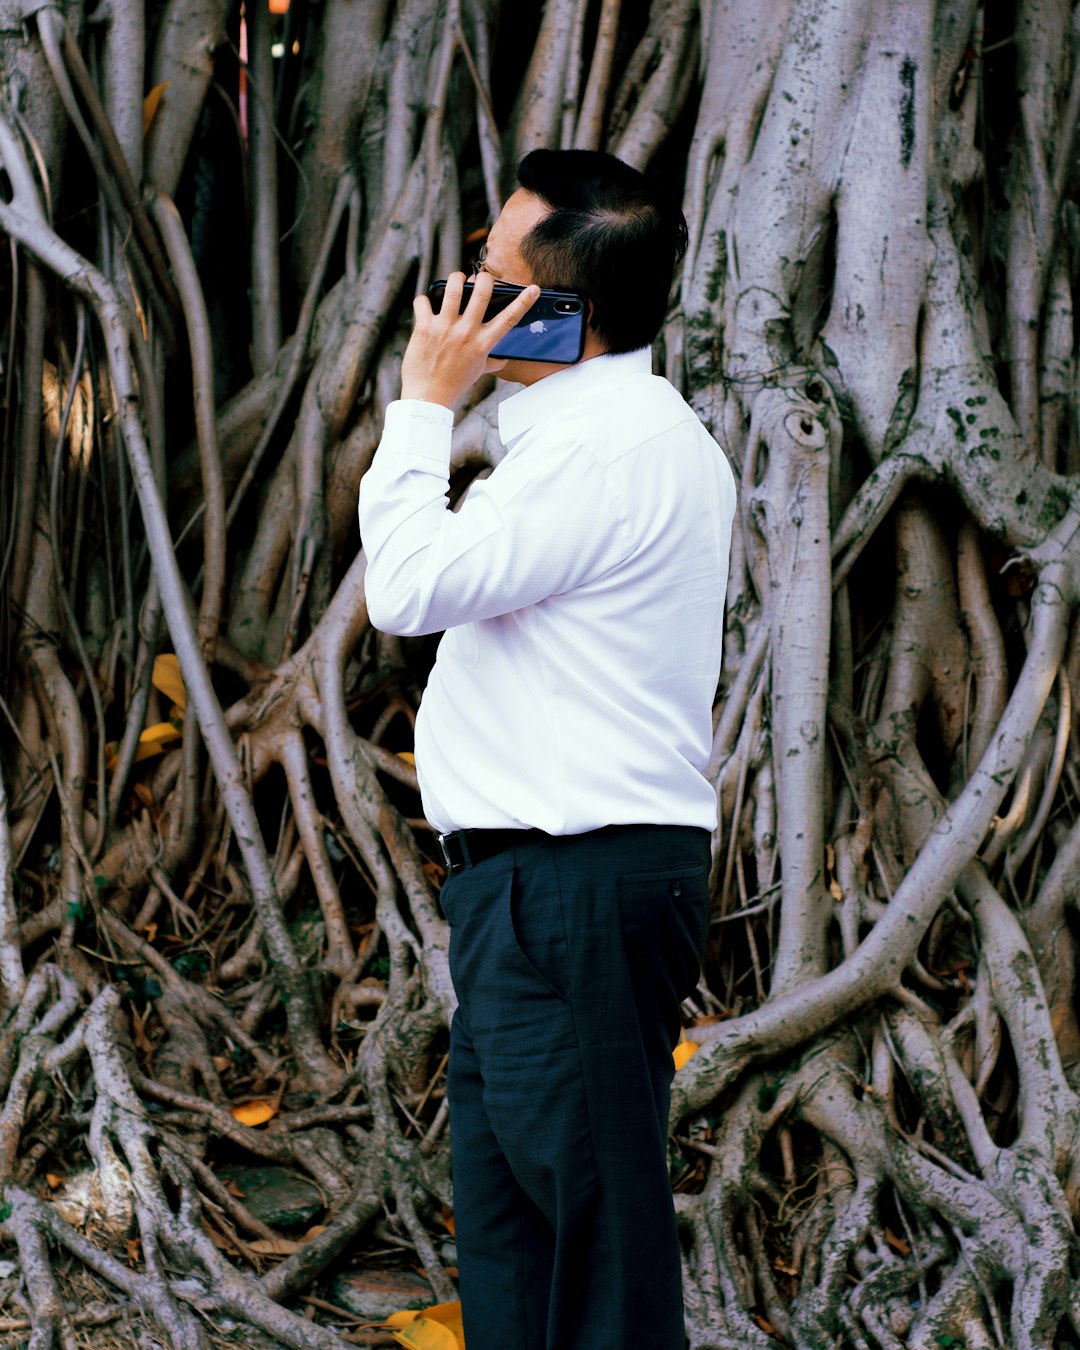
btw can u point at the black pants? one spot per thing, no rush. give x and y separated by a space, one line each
570 958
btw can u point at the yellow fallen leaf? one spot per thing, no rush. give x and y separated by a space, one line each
407 756
683 1052
447 1217
53 1180
253 1113
425 1335
168 679
435 1328
830 867
150 104
447 1314
897 1243
275 1246
155 740
142 1040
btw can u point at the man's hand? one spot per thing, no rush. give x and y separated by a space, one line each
449 351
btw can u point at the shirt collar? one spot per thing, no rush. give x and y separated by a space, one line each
536 402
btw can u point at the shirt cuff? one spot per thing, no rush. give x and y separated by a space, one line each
419 430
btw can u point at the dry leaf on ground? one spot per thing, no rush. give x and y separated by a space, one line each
684 1051
436 1328
253 1113
168 679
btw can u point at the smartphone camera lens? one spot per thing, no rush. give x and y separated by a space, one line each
567 306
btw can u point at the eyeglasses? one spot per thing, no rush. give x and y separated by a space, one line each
479 263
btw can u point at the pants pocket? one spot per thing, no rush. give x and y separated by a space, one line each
536 929
665 914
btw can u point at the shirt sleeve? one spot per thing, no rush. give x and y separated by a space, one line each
545 521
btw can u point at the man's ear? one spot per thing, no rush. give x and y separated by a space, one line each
593 345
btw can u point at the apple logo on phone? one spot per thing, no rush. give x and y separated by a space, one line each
539 326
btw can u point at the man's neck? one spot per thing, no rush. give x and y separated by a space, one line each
529 372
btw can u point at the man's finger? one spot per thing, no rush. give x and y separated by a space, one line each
514 311
483 284
421 306
455 285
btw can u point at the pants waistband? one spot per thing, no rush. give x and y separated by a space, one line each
466 848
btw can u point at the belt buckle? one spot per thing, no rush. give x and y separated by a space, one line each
455 851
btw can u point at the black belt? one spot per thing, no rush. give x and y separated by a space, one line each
466 848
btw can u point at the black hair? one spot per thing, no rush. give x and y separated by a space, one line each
612 236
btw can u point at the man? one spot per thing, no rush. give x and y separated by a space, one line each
559 748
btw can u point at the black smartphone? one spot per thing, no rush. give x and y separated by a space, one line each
552 330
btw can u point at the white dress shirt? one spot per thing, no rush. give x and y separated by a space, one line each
582 589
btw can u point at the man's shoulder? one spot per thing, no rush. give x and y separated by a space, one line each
631 414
